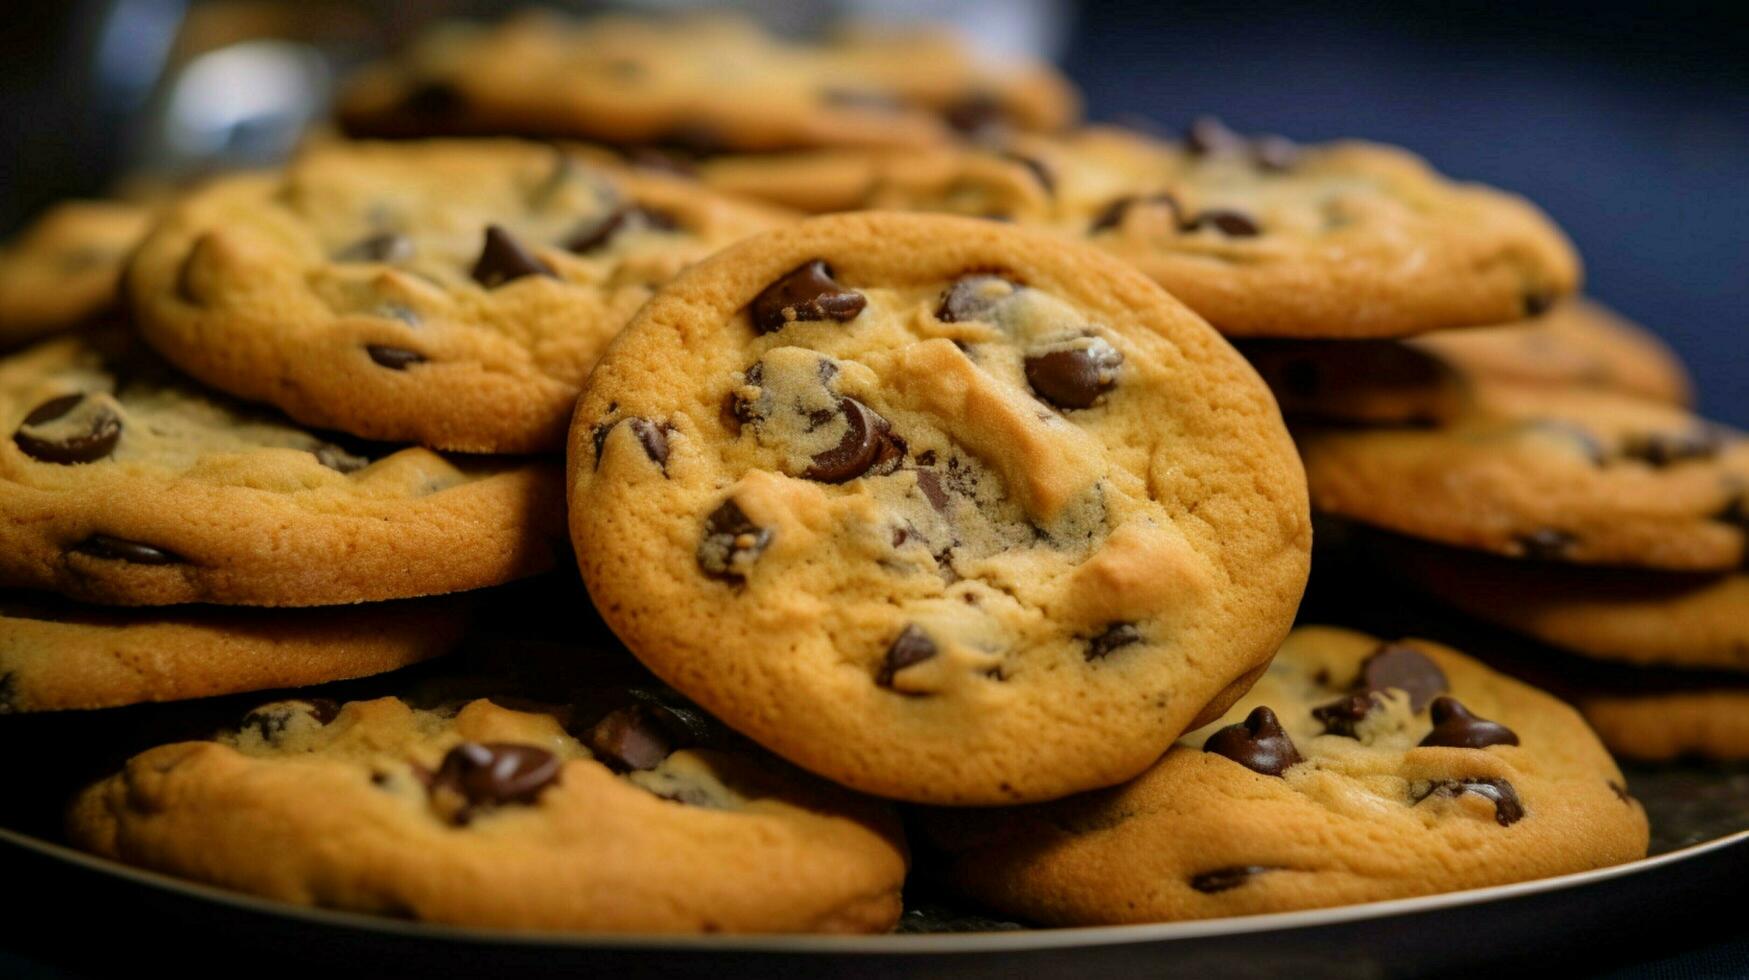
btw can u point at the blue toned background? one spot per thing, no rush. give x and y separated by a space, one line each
1628 123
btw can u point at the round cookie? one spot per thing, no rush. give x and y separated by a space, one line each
1427 379
702 83
62 269
57 656
121 483
1354 771
1706 723
1628 615
1009 510
1260 237
1530 472
608 818
450 294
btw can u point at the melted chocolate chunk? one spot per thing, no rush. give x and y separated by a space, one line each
807 292
1115 636
601 231
1661 449
1258 743
653 437
120 549
1074 377
1546 544
394 358
731 543
1343 716
1507 808
385 247
93 439
973 297
929 482
1233 224
1114 213
503 260
495 774
868 445
1226 879
912 646
1454 727
1402 667
631 738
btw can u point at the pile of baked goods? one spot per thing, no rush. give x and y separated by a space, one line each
895 423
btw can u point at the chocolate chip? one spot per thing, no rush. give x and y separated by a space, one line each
384 247
1661 449
600 231
979 117
271 720
1074 377
653 437
503 259
1398 666
394 358
1454 727
1507 808
868 445
1343 716
1113 637
1039 171
1546 544
1233 224
495 774
807 292
911 646
120 549
1258 743
1226 879
1537 303
1208 136
629 739
92 439
1275 153
731 543
1114 213
929 482
973 297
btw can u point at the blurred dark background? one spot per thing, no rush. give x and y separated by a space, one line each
1629 123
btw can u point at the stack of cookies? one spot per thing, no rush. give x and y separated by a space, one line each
955 498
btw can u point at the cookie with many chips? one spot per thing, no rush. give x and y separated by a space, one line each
701 83
450 294
624 813
123 483
1261 237
1354 771
940 509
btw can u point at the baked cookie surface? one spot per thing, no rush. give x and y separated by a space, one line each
62 270
121 483
58 656
450 294
1260 237
1353 771
1557 474
1699 722
1016 516
702 82
1429 379
616 815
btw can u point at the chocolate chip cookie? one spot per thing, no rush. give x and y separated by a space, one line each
619 815
1650 618
62 269
1703 722
122 483
940 509
56 655
1547 473
1427 379
1354 771
450 294
1261 237
700 83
